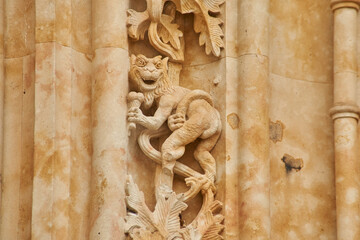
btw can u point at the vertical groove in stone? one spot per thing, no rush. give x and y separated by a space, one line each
254 164
109 91
345 114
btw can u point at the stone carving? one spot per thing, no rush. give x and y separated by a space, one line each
164 34
189 115
181 117
164 222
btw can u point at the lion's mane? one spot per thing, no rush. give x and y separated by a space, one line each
164 85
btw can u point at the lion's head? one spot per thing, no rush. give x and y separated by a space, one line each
149 76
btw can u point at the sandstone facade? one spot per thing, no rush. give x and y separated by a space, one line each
279 82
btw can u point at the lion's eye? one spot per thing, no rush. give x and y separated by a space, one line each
158 65
140 62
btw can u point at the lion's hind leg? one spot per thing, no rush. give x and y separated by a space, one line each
203 156
174 147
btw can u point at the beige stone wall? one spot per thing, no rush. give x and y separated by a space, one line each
64 145
47 120
301 79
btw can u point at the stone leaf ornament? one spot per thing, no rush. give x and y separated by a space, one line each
164 34
164 222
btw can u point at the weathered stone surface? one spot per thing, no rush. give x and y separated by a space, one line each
286 166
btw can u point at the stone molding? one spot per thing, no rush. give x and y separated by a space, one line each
345 111
336 4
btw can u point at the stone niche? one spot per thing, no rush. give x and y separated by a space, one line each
191 67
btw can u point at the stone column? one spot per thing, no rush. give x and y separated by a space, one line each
254 165
18 121
62 154
345 114
53 98
110 88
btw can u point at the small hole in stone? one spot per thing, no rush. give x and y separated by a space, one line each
292 163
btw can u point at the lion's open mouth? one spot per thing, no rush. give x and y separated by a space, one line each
148 81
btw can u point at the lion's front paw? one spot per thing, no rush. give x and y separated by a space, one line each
135 115
176 121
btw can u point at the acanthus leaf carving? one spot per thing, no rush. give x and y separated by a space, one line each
169 32
164 34
208 26
210 226
166 215
163 223
189 6
140 216
210 33
138 23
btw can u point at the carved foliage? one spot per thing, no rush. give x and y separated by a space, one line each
164 222
164 34
208 26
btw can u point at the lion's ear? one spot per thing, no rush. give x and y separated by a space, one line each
165 62
132 59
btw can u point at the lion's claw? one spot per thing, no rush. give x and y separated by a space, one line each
176 121
199 183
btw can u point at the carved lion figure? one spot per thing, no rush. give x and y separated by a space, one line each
189 113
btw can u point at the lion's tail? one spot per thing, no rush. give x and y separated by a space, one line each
145 145
191 96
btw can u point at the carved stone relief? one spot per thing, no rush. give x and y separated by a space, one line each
181 117
164 34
